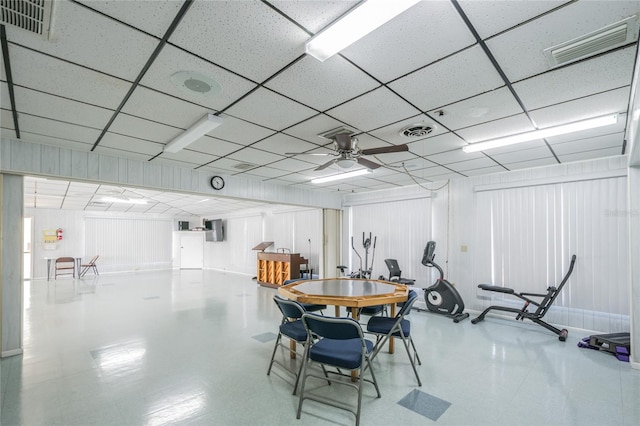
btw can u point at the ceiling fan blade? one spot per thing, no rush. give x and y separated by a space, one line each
344 141
325 165
385 149
368 163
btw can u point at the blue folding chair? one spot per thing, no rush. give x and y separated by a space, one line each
398 326
341 344
291 327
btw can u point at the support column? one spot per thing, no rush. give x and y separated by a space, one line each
11 260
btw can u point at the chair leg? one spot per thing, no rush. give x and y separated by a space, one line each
413 365
305 363
273 355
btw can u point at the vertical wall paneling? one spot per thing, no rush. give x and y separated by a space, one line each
531 233
401 229
129 244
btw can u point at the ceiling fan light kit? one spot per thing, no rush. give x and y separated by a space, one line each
564 129
193 133
365 18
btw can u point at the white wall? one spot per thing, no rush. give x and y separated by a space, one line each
582 201
125 242
290 228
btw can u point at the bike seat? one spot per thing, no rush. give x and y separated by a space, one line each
496 288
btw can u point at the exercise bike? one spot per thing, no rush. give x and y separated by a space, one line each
442 297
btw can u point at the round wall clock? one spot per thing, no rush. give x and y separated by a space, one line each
217 183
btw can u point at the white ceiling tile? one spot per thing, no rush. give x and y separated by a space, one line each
140 128
460 76
5 100
520 51
486 107
436 144
264 173
495 129
590 155
255 156
610 141
192 157
152 105
80 84
270 110
375 109
595 75
311 128
213 146
314 15
540 151
244 37
280 143
92 40
240 131
58 142
455 156
322 85
524 146
483 171
531 163
130 145
613 101
120 153
491 17
153 17
56 108
58 129
398 47
172 60
293 165
473 164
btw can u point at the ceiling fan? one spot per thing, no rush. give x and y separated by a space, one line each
348 154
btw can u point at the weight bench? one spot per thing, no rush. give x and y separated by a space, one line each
542 306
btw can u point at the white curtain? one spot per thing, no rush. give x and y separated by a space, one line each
400 229
527 236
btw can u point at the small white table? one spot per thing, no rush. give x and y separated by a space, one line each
75 268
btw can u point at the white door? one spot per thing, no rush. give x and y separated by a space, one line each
192 250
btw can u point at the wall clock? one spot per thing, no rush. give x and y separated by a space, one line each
217 183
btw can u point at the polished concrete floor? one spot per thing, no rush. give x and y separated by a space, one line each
192 347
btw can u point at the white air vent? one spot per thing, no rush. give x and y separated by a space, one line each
607 38
329 134
31 15
244 166
419 130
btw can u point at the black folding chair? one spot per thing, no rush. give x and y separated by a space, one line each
340 344
542 305
398 326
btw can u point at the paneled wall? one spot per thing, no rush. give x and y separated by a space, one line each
298 230
516 229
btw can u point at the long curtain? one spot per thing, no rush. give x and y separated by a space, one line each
528 235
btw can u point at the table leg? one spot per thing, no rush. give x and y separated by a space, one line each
77 269
48 269
292 347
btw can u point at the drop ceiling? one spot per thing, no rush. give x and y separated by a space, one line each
102 82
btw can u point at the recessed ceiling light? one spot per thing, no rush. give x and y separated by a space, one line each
196 83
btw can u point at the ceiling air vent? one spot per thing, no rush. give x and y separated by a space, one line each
607 38
417 130
330 134
31 15
244 166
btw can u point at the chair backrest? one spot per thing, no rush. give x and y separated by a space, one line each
93 259
65 260
406 308
394 268
553 292
289 308
333 328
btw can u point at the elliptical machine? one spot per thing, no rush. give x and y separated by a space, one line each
442 297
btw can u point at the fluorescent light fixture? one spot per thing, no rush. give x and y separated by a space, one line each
543 133
193 133
356 24
342 176
124 200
